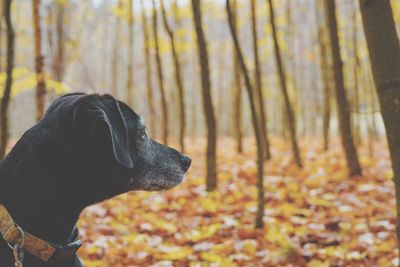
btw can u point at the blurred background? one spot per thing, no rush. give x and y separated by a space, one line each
175 63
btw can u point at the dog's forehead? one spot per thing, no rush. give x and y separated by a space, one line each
130 114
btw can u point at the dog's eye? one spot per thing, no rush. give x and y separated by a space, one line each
142 133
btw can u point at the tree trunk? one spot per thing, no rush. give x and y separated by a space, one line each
149 85
384 53
257 128
2 16
39 61
237 88
115 56
282 78
160 77
258 81
356 67
211 182
325 69
341 100
129 81
178 79
58 62
7 89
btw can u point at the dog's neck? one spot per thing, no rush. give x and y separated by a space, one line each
34 200
49 218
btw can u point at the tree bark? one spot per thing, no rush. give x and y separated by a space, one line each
7 89
282 78
341 100
384 53
325 71
258 81
178 79
58 62
237 88
160 77
257 127
149 85
129 81
356 67
2 16
115 56
39 61
211 179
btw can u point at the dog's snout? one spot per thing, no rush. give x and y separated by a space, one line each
186 161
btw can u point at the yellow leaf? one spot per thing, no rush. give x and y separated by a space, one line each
318 263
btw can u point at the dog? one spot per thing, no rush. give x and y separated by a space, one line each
86 149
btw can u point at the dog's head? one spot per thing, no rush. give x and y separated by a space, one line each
100 147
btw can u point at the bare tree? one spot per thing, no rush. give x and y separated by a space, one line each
211 179
129 81
5 101
160 77
149 85
343 110
257 128
325 71
356 67
59 57
39 61
237 88
178 78
282 78
258 81
115 56
384 53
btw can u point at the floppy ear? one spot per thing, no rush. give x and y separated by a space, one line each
92 118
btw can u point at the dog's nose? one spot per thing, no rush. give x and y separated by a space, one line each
186 161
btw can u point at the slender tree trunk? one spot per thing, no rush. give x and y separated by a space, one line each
58 62
258 81
356 67
7 89
178 79
257 127
324 66
160 77
149 85
211 182
237 88
39 61
2 4
282 79
115 56
104 48
384 53
341 100
129 81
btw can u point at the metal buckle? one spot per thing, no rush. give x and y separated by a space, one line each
18 248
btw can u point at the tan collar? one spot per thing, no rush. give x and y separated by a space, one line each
40 248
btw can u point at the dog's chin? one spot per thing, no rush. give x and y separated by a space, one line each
160 184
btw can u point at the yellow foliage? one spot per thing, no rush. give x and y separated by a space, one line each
209 204
318 263
203 233
24 80
176 253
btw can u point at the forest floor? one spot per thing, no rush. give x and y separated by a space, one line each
315 216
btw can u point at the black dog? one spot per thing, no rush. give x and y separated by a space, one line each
86 149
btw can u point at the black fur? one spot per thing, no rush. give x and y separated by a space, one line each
86 149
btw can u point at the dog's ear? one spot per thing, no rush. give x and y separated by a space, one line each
92 118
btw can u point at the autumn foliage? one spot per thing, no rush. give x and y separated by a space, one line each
315 216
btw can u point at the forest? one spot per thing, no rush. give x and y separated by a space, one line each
289 110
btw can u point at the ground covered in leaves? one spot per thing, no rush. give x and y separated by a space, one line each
316 216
